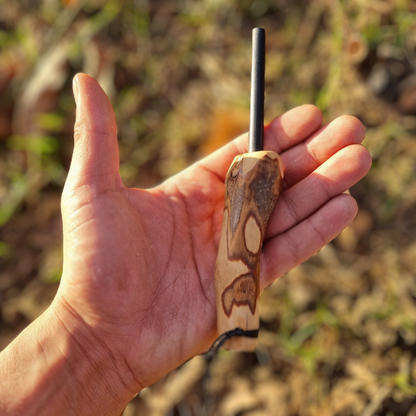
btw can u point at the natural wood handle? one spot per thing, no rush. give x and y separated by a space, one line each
252 187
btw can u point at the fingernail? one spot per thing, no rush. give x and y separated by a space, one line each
75 89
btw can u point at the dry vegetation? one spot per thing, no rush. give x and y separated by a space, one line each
338 333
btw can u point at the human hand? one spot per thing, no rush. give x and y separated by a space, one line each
139 264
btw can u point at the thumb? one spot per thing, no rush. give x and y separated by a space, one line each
95 160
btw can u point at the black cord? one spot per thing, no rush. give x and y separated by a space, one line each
222 339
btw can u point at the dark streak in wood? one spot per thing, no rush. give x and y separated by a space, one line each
242 291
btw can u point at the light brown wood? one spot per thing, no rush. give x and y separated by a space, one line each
252 187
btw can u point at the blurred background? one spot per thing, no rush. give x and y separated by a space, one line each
338 333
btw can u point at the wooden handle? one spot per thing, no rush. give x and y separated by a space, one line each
252 187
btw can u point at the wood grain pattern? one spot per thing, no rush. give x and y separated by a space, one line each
252 187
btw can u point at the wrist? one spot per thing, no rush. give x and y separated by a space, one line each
100 375
95 349
58 366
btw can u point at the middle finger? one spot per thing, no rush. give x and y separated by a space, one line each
302 159
333 177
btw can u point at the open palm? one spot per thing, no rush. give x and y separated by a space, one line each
139 264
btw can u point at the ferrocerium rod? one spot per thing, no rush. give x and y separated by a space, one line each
252 186
257 90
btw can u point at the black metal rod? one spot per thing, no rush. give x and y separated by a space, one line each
256 135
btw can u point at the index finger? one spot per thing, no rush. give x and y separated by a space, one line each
281 134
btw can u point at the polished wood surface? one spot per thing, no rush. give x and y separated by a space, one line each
252 187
